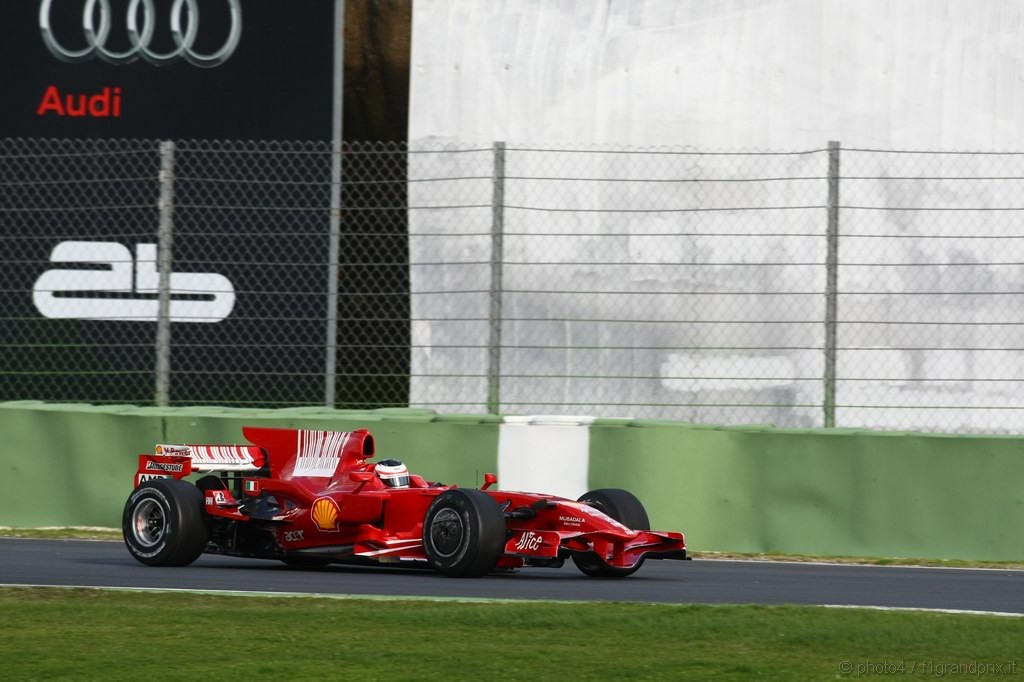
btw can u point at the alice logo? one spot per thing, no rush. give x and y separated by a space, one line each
529 542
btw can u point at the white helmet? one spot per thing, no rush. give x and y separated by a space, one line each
393 473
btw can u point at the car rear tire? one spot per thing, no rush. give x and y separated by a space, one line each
464 533
164 523
624 507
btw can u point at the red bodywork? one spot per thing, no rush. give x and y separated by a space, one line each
300 494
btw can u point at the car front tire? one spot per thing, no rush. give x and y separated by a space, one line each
624 507
464 533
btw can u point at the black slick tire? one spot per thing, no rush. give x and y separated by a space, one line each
624 507
164 523
464 533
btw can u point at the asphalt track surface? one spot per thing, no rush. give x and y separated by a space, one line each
108 564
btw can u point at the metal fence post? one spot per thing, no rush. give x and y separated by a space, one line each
497 258
334 243
333 255
165 233
831 285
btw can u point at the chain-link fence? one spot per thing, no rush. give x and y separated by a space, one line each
632 283
931 334
81 304
834 286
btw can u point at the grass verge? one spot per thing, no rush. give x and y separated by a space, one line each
72 533
869 561
93 634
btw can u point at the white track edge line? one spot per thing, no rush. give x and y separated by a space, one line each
315 595
965 612
484 600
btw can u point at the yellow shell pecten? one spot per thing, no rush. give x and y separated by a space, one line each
325 514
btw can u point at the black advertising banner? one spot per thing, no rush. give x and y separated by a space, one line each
168 69
244 92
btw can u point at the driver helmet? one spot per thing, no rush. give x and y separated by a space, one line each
393 473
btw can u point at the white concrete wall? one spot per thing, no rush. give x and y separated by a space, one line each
729 75
779 74
546 454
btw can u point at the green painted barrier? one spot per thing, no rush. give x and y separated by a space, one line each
855 493
72 465
64 465
749 489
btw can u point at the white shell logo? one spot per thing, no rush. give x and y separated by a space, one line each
127 291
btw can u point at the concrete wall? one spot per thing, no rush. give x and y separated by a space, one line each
724 75
760 74
858 493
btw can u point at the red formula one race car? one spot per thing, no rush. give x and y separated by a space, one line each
311 498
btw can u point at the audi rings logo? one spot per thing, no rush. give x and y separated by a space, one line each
183 32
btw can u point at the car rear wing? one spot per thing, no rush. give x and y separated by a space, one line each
178 461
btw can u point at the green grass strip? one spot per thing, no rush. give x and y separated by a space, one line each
96 634
71 533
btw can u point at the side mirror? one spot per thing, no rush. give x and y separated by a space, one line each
361 476
489 480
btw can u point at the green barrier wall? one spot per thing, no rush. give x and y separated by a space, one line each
821 492
64 465
752 489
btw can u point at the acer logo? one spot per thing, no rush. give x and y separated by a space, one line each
104 104
129 287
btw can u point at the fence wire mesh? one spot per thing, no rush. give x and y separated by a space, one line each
250 229
656 283
51 193
649 283
931 296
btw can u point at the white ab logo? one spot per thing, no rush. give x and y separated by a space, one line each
217 290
